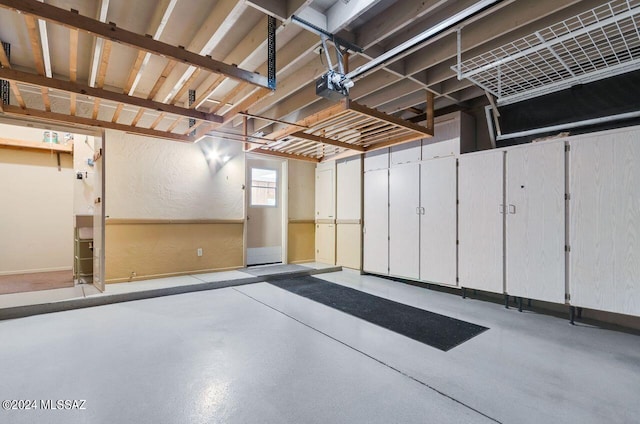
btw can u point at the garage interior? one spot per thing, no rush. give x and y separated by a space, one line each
320 210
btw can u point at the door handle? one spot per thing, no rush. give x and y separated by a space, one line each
512 209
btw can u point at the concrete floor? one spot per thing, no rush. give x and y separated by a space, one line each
257 353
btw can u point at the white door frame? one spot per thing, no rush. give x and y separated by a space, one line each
283 197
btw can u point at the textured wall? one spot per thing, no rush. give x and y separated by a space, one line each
149 180
158 179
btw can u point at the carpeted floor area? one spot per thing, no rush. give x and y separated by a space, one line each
20 283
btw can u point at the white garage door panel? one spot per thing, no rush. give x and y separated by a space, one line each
605 222
438 221
480 223
535 256
404 221
376 222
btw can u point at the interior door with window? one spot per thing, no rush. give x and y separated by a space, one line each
264 211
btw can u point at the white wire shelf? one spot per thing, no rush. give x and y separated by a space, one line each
596 44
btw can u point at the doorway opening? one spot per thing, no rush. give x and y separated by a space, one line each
266 211
49 208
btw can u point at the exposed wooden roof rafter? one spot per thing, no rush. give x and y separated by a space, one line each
73 66
77 120
36 48
347 126
111 32
71 87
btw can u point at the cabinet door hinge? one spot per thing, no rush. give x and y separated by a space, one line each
457 242
567 196
567 148
567 248
457 280
567 296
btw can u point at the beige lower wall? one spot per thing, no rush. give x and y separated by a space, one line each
156 248
348 245
301 241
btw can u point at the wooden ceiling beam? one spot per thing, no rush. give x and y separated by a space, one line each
174 124
112 32
36 48
102 74
328 141
4 61
77 120
184 87
389 118
208 91
117 112
137 118
245 103
96 109
134 71
285 155
194 127
309 121
73 66
227 98
157 121
68 86
162 78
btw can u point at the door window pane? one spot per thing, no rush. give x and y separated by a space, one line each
264 184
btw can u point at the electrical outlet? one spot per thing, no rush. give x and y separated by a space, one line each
199 251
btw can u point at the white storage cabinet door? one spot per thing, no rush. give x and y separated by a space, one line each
326 243
404 221
481 221
535 222
605 222
438 252
376 222
325 192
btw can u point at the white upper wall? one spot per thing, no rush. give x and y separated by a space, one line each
149 178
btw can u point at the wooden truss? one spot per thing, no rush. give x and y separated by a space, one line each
346 126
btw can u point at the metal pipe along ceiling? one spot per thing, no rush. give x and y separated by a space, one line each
420 38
